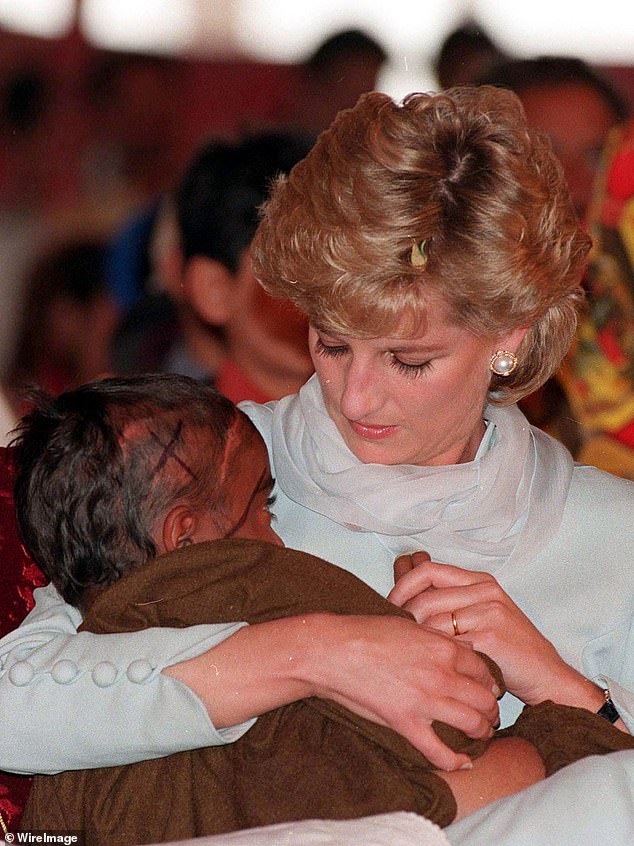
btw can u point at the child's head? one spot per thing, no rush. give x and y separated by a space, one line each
119 470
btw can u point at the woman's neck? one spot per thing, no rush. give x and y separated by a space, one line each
473 444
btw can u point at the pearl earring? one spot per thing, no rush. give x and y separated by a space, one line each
503 363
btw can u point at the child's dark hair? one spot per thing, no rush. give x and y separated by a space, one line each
97 467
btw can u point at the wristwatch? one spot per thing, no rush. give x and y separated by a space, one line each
608 709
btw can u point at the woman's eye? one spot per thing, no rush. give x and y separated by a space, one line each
411 370
333 350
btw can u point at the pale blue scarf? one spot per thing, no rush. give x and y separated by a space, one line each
507 502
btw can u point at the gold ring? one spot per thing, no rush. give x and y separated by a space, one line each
454 623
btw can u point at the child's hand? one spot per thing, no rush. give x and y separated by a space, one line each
405 564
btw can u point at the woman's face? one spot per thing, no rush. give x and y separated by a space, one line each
408 401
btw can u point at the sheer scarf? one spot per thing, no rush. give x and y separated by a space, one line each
507 502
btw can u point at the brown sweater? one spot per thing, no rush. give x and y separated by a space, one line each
310 759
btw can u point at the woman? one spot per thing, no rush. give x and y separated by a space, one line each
437 255
438 260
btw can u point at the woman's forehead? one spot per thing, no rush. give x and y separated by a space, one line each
431 321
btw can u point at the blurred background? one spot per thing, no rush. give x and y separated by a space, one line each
104 102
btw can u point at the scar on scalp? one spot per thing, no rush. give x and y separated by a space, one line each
169 450
233 439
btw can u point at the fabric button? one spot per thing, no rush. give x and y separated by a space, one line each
64 672
139 671
21 674
104 674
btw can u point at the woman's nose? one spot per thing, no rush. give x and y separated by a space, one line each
361 392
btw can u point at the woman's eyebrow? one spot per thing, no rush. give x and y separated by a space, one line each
399 344
416 347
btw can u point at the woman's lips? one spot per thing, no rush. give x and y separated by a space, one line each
371 433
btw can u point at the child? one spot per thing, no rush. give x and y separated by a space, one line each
119 471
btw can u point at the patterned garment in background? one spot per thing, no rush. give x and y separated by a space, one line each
598 374
18 578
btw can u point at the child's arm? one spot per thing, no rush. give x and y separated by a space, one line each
506 767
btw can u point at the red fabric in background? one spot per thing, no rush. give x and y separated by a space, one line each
18 578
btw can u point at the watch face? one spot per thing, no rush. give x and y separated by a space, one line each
608 710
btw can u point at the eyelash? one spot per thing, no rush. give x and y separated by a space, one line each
332 352
411 370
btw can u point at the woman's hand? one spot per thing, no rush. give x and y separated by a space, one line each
403 675
486 617
387 669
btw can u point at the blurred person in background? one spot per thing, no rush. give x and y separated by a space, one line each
67 320
333 77
25 126
576 107
211 320
598 374
573 104
134 153
465 55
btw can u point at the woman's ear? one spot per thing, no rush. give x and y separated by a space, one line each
512 340
210 289
179 528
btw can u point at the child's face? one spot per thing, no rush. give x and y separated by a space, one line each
248 484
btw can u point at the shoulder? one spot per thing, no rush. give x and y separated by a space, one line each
588 479
601 494
260 414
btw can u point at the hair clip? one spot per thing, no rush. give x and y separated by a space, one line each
418 257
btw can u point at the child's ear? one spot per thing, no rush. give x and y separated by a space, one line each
179 528
211 290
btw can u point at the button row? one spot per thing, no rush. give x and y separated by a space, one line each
103 674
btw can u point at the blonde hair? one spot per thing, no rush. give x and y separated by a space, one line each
460 171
